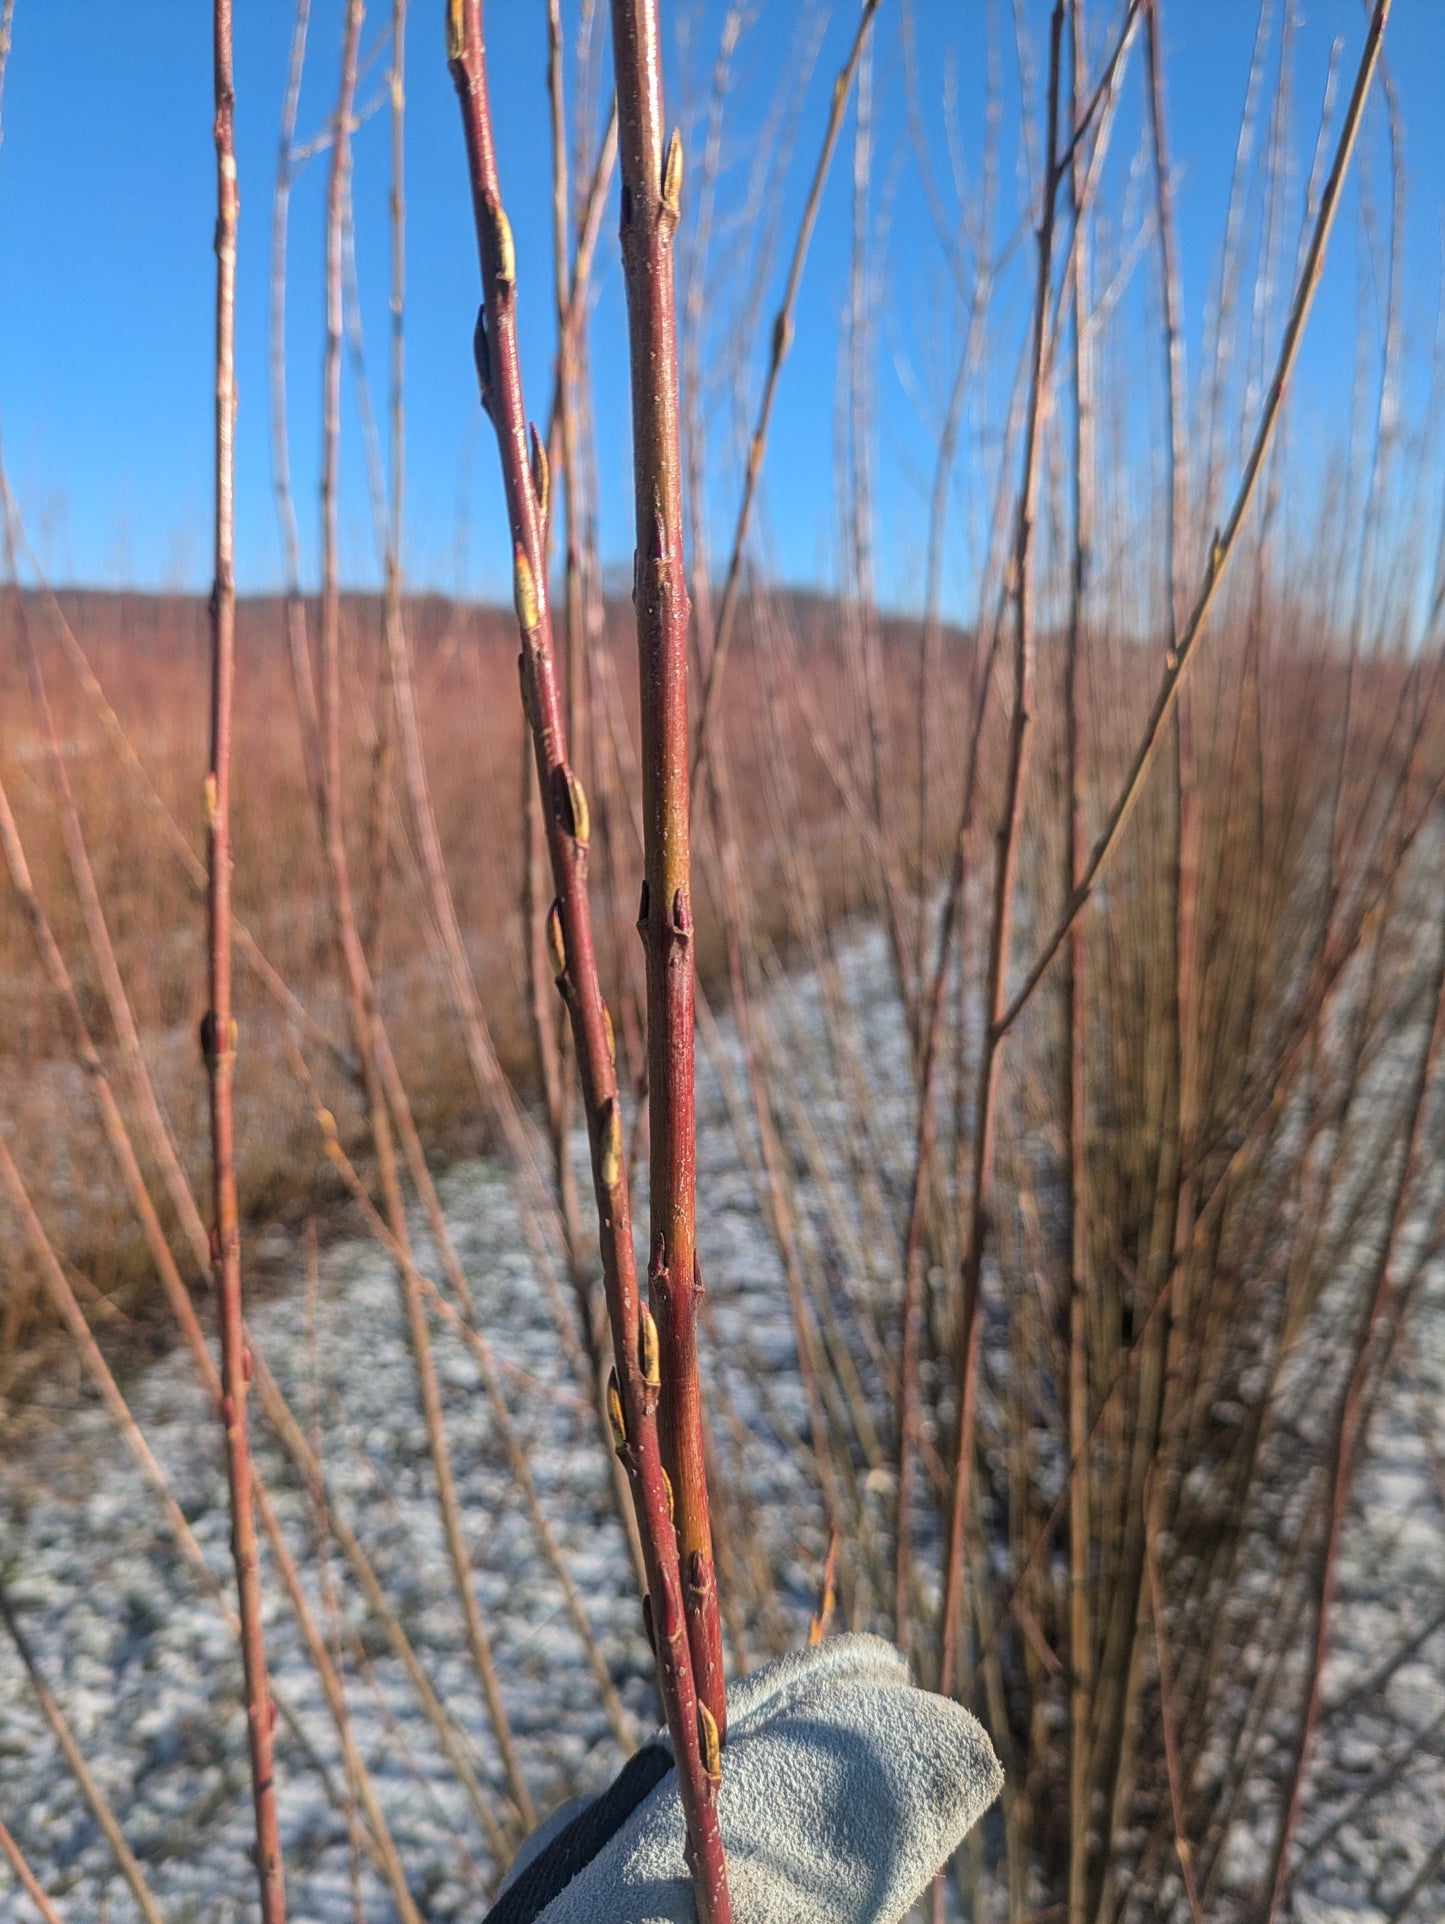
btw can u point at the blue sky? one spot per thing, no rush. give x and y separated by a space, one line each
106 208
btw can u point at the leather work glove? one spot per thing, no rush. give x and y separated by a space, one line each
844 1790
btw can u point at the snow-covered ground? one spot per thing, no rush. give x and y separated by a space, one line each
150 1680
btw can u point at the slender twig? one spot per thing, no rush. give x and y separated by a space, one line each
1186 824
321 1533
572 278
1123 1664
1155 1607
782 336
1223 546
9 1849
481 1350
651 206
930 629
100 1373
1081 1655
281 1418
396 478
1019 587
219 1029
172 833
1346 1433
280 433
164 1152
570 283
1083 121
1418 1885
740 923
980 692
635 1338
74 1756
384 1091
442 928
1266 1106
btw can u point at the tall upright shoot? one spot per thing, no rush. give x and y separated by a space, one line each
1076 1017
651 206
642 1364
218 1032
1005 869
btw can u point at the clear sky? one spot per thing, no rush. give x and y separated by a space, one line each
106 273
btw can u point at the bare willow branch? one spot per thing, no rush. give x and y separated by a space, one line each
9 1849
782 336
481 1350
172 833
1019 588
74 1756
1345 1433
651 208
1223 545
1081 1632
568 820
219 1030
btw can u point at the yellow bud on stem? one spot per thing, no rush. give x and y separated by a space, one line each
649 1352
524 592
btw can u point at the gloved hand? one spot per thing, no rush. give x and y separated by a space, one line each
844 1790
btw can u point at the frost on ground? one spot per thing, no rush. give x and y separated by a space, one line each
146 1672
145 1669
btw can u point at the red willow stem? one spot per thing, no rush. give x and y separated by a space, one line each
635 1388
218 1036
651 205
1009 836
